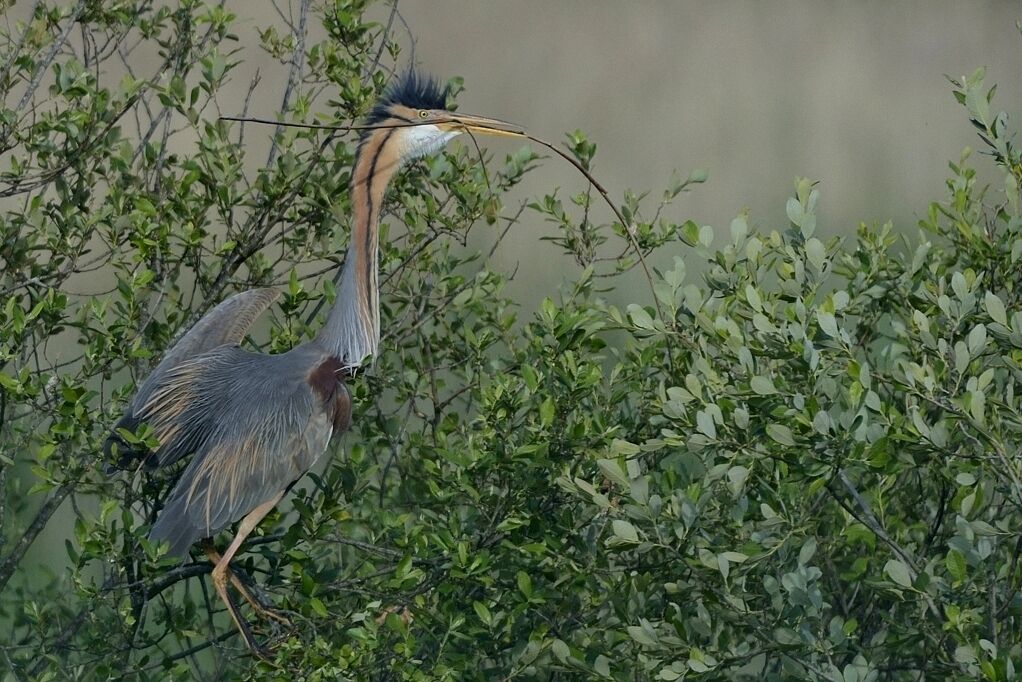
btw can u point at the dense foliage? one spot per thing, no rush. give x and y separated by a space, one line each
801 464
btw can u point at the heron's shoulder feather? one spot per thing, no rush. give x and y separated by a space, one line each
226 324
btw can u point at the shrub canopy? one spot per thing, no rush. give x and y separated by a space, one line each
800 463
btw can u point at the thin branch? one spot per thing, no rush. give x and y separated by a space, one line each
868 519
44 65
42 517
293 78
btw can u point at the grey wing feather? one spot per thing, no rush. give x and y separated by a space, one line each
227 323
257 427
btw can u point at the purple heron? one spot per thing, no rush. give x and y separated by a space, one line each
254 423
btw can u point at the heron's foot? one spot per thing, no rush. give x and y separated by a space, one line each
259 604
275 615
221 576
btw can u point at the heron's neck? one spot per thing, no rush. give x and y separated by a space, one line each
352 330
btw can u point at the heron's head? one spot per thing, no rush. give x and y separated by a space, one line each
412 120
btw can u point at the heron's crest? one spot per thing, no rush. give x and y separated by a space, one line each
412 89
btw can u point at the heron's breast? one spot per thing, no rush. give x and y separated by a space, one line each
335 399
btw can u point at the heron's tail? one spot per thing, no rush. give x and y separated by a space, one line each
174 526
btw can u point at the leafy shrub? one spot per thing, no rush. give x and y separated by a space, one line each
802 466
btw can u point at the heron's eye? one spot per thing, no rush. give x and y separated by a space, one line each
423 114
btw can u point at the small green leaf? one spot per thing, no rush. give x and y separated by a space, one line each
546 412
623 447
827 323
780 433
752 296
625 531
977 339
640 318
612 470
698 175
898 572
806 553
816 253
956 566
739 228
318 607
995 308
705 425
706 235
524 584
690 233
482 612
965 478
735 557
762 385
642 635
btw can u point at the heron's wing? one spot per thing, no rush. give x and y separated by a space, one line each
255 424
227 323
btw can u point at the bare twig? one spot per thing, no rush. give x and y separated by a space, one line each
294 76
43 65
868 519
13 558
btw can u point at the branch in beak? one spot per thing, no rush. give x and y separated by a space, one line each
481 126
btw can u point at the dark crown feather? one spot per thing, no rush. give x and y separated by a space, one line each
413 90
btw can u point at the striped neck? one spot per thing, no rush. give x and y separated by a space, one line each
352 329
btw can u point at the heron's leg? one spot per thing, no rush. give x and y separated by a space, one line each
221 570
255 602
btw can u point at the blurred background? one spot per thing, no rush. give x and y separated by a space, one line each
852 94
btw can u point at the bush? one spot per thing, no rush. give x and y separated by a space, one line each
803 466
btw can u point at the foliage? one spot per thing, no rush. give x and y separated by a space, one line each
803 466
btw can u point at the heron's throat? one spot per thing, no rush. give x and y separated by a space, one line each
352 331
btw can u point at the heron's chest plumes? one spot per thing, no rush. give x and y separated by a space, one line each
328 386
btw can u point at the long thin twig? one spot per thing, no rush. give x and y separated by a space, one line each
13 558
868 519
629 228
294 75
43 65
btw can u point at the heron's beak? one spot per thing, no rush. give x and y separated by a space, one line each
481 125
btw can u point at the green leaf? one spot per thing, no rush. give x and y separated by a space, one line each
613 471
546 412
806 553
624 531
898 572
762 385
816 253
560 650
827 324
524 584
640 318
956 566
735 557
483 612
318 607
9 383
739 229
752 296
977 339
995 308
690 233
642 635
619 447
780 433
706 235
705 425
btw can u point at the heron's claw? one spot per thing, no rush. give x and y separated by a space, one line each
272 614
